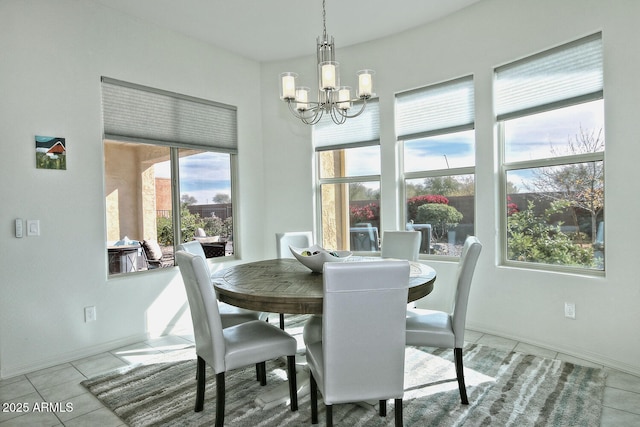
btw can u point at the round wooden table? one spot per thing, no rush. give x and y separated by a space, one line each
286 286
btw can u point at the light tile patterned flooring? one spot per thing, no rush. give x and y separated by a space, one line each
62 384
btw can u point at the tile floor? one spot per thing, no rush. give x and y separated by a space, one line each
62 384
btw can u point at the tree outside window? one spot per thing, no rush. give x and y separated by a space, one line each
555 211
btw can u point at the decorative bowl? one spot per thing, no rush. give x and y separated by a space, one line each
314 257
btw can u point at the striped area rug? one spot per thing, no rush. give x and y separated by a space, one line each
505 389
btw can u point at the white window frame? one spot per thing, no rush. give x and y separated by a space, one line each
427 123
362 131
179 122
587 91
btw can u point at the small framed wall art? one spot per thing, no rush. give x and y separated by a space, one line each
51 152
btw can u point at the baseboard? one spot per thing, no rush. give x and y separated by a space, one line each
70 356
587 355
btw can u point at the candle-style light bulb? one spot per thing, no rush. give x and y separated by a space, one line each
365 83
302 97
329 79
344 97
288 86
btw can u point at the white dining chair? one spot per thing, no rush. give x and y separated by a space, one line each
230 315
360 356
446 329
395 244
224 349
401 245
297 239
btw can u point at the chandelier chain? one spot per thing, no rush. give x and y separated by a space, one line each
324 20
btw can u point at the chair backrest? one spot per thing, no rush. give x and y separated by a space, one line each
401 244
466 267
297 239
152 250
207 325
363 330
363 239
194 247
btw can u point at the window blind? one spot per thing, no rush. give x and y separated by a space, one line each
143 114
358 131
567 74
430 110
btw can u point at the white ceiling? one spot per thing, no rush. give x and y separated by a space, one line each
266 30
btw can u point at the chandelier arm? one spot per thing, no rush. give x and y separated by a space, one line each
351 116
337 116
314 116
301 115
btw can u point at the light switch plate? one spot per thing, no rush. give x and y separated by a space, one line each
33 227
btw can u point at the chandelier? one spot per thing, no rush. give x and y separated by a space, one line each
333 99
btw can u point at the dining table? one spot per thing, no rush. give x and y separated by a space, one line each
284 285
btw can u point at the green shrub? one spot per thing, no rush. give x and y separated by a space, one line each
165 231
441 217
215 226
189 223
415 202
532 238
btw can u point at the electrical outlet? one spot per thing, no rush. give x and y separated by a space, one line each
90 314
570 310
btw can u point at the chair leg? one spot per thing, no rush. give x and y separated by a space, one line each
200 381
398 411
383 408
220 388
258 376
293 382
263 373
460 374
282 321
313 395
329 412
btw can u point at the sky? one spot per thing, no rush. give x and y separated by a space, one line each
202 175
453 150
528 138
532 137
539 136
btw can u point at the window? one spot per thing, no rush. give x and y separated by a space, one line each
550 113
435 125
348 165
169 163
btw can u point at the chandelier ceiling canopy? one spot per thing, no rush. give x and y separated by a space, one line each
333 99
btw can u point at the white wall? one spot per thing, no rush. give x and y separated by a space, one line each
53 54
52 57
518 303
